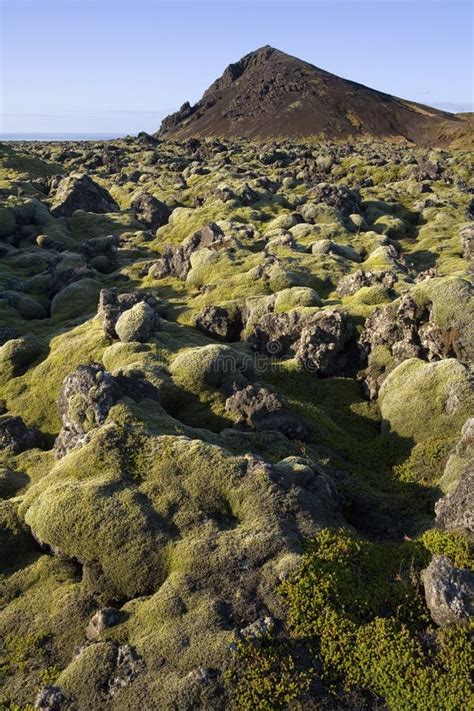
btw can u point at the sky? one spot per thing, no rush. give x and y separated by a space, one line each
120 66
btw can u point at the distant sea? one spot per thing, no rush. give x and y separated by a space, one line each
59 136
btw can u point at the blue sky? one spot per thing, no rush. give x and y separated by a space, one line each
119 66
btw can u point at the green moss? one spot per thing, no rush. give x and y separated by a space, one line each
78 300
415 399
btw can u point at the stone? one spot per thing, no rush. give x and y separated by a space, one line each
449 592
79 192
175 260
136 324
101 620
257 408
351 283
456 509
151 211
86 396
220 322
466 235
16 436
112 305
49 699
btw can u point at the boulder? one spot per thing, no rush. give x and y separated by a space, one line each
79 192
112 305
460 458
151 211
419 400
326 346
220 322
16 436
449 592
324 341
456 509
136 324
16 355
50 698
176 259
327 246
403 331
466 235
257 408
351 283
86 396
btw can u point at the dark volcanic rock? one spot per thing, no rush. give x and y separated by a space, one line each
86 396
324 341
220 322
176 259
15 435
449 592
259 409
326 346
456 509
80 192
351 283
151 211
49 699
407 332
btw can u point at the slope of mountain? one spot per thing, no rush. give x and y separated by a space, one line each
270 94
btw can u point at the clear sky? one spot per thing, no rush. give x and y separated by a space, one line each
119 66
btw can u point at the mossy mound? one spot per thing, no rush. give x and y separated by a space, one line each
420 400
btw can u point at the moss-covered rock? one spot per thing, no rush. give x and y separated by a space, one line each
420 400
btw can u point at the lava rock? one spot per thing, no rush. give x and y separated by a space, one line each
136 324
101 620
456 509
151 211
86 396
49 699
220 322
176 259
16 436
79 192
449 592
257 408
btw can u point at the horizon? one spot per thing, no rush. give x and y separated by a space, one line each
117 68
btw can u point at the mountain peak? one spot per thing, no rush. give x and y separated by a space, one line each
271 94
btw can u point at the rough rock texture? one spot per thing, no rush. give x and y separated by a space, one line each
80 192
406 332
50 698
102 620
449 592
112 305
456 509
326 345
176 259
351 283
16 436
151 211
324 341
258 408
220 322
467 242
86 396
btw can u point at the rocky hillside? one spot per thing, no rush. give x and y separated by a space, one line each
269 94
236 434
